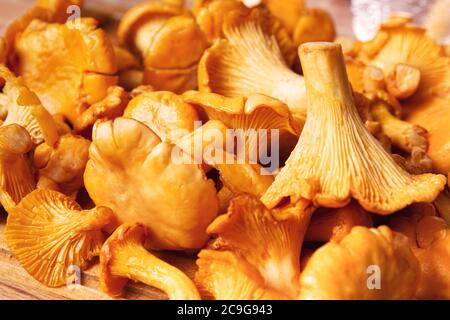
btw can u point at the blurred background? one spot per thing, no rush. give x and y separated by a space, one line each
355 18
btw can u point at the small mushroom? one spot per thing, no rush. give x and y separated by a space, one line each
123 258
255 120
61 167
16 176
314 24
132 172
49 233
401 49
165 113
169 41
224 276
267 241
429 238
403 81
366 264
25 109
68 68
332 225
109 108
330 165
208 145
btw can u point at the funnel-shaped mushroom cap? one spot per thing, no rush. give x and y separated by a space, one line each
429 237
109 108
255 112
314 24
250 61
131 171
49 233
367 264
209 145
63 165
68 68
334 224
407 45
25 109
15 173
223 275
336 158
124 258
270 241
165 113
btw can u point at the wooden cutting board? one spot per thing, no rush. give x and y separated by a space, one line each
16 283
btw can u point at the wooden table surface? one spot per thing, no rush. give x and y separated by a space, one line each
15 283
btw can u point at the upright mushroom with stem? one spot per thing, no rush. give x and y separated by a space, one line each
331 165
124 258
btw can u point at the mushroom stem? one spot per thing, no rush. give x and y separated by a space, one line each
336 157
403 134
149 269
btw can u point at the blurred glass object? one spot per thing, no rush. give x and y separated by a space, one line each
368 14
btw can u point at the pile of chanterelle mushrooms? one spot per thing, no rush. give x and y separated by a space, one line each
358 207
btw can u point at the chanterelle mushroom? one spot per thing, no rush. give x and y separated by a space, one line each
366 264
250 61
414 62
429 237
16 178
166 113
330 165
61 167
49 233
123 258
131 171
24 108
68 68
169 40
268 243
314 24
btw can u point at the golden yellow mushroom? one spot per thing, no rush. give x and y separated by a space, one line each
430 241
25 109
288 11
330 164
214 16
208 145
259 121
16 176
250 61
123 258
222 275
266 241
169 41
61 167
418 67
334 224
49 234
166 113
44 10
132 172
68 68
109 108
314 24
366 264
